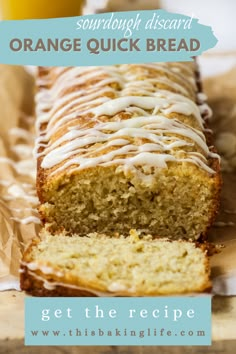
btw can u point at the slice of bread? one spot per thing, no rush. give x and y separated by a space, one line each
98 265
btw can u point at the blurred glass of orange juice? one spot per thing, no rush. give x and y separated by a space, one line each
35 9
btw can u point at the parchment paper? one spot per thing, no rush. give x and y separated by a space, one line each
17 169
17 174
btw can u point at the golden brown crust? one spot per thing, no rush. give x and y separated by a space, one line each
35 287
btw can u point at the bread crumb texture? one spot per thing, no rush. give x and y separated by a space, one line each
134 265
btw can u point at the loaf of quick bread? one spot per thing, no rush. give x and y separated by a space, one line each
125 146
99 265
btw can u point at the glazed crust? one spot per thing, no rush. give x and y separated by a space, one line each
43 175
35 287
44 179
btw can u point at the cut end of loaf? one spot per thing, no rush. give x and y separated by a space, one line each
96 265
178 202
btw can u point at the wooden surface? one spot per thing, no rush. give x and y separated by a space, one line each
17 347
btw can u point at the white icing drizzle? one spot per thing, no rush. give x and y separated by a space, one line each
202 97
52 285
49 286
113 142
17 210
114 287
22 150
43 268
9 282
223 223
5 183
174 103
25 167
28 220
18 190
21 133
33 200
15 191
227 211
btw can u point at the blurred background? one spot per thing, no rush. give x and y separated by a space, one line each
220 15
